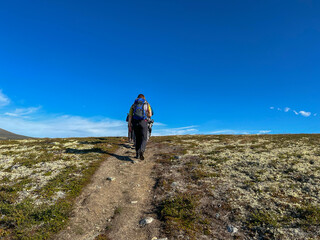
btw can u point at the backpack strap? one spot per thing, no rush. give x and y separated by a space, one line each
146 106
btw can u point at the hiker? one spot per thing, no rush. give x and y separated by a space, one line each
139 113
131 137
150 124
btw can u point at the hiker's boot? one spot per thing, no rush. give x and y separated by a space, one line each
141 156
137 155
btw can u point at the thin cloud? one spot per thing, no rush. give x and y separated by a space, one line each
20 122
229 131
22 112
4 100
287 109
76 126
264 131
159 124
64 126
175 131
305 114
26 122
239 132
302 113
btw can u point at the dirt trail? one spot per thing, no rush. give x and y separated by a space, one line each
111 204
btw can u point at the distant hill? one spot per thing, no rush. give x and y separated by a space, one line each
6 135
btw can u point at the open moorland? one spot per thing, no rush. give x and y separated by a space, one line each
39 180
194 187
240 187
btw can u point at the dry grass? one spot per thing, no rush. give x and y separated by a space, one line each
268 186
39 180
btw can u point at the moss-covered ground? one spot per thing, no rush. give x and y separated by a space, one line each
40 179
265 186
208 187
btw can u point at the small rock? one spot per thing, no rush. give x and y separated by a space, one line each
232 229
134 202
111 178
217 215
16 166
146 221
177 157
59 194
174 184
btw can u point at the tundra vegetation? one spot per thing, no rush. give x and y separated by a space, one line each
39 180
239 187
208 187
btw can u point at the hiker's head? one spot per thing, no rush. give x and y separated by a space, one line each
141 96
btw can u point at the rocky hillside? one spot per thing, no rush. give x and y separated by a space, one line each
6 135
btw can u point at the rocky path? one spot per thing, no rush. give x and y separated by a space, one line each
118 197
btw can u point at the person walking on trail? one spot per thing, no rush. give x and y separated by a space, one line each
131 137
139 113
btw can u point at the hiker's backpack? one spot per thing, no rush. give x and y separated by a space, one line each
139 112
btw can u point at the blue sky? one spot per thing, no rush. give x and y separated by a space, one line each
73 68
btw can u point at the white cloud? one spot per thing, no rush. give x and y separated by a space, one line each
19 122
4 100
237 132
302 113
64 126
21 112
305 114
76 126
229 131
264 131
159 124
174 131
287 109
